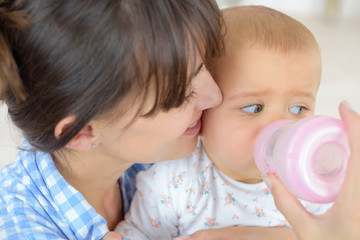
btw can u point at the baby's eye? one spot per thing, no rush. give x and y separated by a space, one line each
256 108
298 110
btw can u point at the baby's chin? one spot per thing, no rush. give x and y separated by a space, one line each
249 179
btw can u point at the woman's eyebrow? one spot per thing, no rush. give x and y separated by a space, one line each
198 69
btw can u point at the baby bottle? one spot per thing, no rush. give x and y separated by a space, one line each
309 156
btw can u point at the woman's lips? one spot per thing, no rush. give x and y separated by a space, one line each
193 129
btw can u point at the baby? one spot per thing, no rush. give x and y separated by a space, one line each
271 70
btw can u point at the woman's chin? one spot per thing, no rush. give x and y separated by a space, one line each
183 148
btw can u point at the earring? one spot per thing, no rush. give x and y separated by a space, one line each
93 146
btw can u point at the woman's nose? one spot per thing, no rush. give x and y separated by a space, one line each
209 94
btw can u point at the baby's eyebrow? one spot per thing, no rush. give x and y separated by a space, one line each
299 92
263 93
248 94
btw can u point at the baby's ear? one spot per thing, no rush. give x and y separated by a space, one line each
83 141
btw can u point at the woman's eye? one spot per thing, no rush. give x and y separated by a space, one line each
192 96
256 108
298 110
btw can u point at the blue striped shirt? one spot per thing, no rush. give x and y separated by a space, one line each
36 202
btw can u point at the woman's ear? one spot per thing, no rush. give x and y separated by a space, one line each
83 141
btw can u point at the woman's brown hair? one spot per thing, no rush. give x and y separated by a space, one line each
84 57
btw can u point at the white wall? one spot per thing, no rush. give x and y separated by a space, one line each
10 138
347 8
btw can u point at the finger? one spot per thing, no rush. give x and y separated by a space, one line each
294 212
183 238
218 233
352 121
112 236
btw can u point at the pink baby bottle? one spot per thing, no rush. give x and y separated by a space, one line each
309 156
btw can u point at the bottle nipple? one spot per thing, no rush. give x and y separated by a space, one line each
329 161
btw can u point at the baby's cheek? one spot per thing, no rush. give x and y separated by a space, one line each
240 160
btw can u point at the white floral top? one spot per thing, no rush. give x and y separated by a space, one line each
180 197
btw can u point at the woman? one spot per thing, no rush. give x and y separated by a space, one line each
96 86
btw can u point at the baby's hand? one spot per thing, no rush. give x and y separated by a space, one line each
242 233
112 236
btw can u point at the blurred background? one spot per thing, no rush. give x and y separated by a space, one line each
335 24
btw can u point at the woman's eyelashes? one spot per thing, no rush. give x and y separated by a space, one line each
191 96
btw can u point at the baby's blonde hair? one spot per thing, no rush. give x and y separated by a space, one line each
258 25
